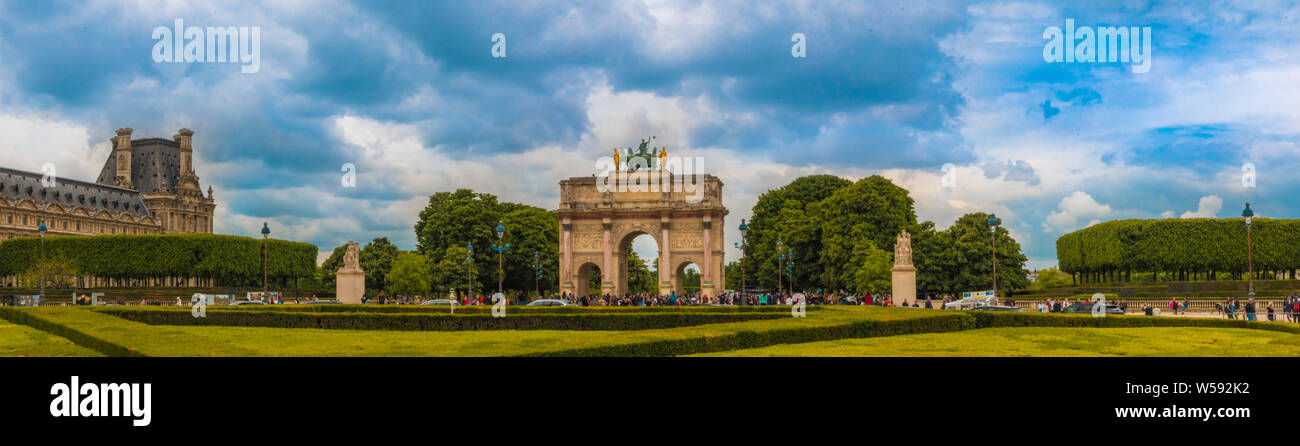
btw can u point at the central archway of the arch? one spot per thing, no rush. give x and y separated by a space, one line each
598 224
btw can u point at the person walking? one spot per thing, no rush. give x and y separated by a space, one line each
1250 309
1269 308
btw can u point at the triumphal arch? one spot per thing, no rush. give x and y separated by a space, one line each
641 193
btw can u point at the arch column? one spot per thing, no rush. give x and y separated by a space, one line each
606 272
665 256
706 276
566 256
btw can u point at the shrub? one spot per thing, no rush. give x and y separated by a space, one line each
227 259
434 322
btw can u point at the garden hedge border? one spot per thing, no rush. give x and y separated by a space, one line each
938 323
78 337
466 309
436 322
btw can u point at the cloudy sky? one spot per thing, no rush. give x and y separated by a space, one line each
412 96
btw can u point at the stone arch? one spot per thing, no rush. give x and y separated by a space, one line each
621 273
679 274
597 224
581 287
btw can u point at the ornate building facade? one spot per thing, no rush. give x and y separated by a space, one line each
147 186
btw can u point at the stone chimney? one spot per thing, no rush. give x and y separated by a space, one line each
122 153
185 137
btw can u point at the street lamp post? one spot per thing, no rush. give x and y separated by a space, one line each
469 270
537 274
789 269
1250 261
993 231
744 243
780 259
266 234
42 228
501 249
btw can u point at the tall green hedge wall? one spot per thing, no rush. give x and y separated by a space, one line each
230 260
1180 245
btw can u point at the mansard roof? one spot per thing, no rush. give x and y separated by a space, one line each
18 185
152 161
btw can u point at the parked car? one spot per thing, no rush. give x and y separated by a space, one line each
439 302
1086 307
550 303
318 301
248 302
995 308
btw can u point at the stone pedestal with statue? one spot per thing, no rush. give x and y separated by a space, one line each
904 274
350 280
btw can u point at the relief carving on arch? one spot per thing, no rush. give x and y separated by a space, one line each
588 241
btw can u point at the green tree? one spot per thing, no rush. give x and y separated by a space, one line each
872 210
639 278
935 259
410 275
769 223
530 230
593 281
330 268
376 259
971 241
1052 278
871 270
59 272
452 273
690 280
454 219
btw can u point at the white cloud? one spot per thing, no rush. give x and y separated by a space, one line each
1208 207
1076 206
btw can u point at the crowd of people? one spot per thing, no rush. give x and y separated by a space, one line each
1233 308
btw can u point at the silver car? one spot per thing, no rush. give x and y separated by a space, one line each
550 303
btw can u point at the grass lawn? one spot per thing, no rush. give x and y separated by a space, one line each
171 340
1053 341
828 331
21 340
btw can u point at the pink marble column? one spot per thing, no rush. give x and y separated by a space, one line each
567 259
606 272
665 258
708 254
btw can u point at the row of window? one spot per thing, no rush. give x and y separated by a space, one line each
69 225
188 223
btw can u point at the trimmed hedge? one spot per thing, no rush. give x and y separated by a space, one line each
435 322
1000 319
939 322
468 309
1180 245
12 314
227 259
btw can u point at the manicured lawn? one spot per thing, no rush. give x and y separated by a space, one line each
128 337
828 331
21 340
1053 341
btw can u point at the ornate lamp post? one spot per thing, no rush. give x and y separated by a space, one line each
42 228
469 270
266 234
1250 261
780 259
744 243
993 231
789 269
537 274
501 249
